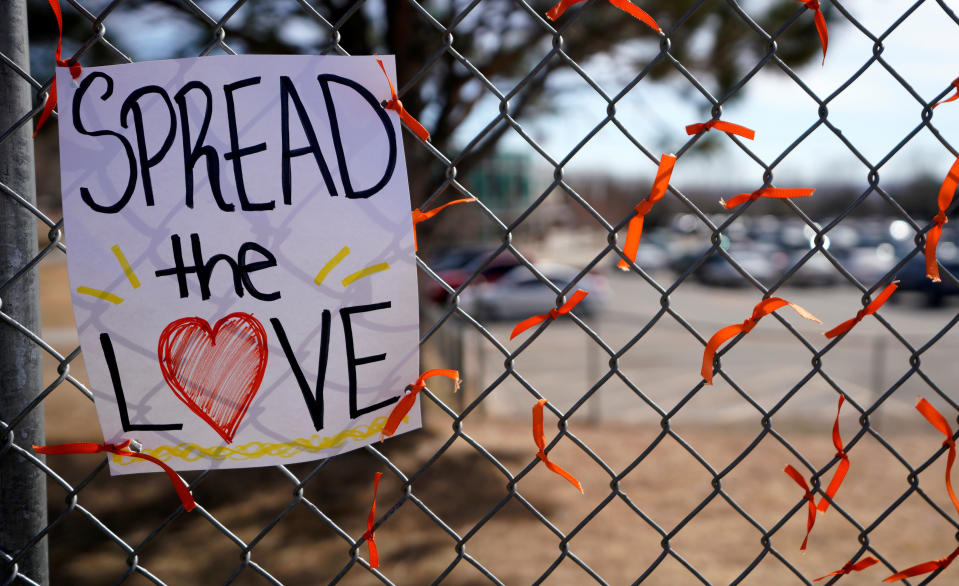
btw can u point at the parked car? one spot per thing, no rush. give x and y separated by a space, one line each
520 293
489 271
913 277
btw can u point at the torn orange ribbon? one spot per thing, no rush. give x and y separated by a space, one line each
763 308
181 488
955 84
870 309
946 192
843 467
820 24
565 308
396 105
420 216
540 439
850 567
368 536
628 7
723 126
409 399
939 422
770 192
811 517
635 230
75 69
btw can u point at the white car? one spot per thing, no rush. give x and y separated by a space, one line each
520 293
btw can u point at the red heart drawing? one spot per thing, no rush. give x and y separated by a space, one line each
215 372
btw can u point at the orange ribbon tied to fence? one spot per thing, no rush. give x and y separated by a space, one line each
182 490
811 517
955 84
628 7
924 568
770 192
635 230
870 309
850 567
843 467
551 314
420 216
763 308
407 401
946 192
820 24
939 422
370 521
75 68
396 105
723 126
540 439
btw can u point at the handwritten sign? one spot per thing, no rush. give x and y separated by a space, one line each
240 256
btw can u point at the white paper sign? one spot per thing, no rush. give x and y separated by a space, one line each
240 256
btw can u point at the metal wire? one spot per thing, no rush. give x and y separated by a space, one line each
453 316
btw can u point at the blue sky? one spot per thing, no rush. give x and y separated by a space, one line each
874 113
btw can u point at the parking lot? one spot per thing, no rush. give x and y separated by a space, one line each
658 359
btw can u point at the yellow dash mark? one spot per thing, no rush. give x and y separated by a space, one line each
127 269
330 265
116 300
365 273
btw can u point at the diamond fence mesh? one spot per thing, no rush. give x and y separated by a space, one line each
683 481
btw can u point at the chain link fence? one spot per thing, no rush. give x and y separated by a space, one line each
676 492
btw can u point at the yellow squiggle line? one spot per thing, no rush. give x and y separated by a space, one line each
191 452
105 295
127 269
331 264
365 273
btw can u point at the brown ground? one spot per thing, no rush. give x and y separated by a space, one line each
668 486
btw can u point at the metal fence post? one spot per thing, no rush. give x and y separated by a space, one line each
23 507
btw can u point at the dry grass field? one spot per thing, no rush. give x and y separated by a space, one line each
672 490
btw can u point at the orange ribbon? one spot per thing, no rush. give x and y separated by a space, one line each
121 450
925 567
721 125
811 518
939 422
843 467
635 230
406 402
820 24
870 309
540 439
850 567
763 308
529 322
396 105
75 69
368 536
770 192
624 5
419 216
946 193
955 84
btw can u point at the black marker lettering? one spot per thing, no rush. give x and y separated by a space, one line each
325 80
313 399
111 359
236 153
132 104
131 158
287 94
193 152
352 361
